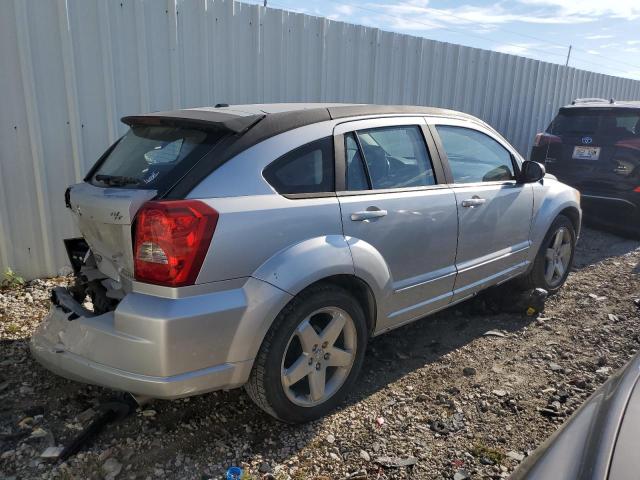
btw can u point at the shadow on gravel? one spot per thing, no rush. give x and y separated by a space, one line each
401 351
595 246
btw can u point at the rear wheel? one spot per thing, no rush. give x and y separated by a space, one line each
555 257
311 356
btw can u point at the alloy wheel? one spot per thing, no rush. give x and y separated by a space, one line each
319 356
557 256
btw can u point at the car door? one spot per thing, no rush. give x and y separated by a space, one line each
494 210
393 199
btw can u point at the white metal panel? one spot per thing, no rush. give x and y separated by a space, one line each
72 68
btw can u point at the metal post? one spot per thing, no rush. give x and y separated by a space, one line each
568 54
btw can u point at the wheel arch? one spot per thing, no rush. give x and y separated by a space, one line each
360 289
573 214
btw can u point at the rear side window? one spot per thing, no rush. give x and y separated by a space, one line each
616 123
307 169
150 156
394 157
474 156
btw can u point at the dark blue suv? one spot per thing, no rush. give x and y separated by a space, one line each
594 146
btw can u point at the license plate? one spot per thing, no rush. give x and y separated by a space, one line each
586 153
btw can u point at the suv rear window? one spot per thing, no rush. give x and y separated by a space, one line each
307 169
147 156
596 121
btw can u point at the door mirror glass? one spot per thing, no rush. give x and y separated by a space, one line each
531 172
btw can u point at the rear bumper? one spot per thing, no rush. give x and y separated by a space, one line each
78 368
161 347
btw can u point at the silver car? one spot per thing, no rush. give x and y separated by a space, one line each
263 245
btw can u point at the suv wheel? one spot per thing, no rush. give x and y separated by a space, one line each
553 262
311 356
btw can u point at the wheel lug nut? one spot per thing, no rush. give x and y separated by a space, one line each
324 345
310 361
326 356
318 366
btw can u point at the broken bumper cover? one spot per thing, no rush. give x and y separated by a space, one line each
157 347
75 367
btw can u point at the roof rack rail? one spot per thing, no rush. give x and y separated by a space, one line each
592 100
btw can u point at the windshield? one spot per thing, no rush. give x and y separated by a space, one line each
616 123
149 156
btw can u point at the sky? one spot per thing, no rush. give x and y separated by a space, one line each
604 34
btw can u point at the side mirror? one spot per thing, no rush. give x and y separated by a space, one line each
531 172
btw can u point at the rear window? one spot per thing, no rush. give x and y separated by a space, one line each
149 157
600 121
307 169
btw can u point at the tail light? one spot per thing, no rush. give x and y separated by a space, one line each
545 139
171 239
637 189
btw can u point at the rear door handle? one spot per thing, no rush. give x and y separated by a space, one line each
368 214
473 202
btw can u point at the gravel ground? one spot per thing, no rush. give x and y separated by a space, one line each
438 399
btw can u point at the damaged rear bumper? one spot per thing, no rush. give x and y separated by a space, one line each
75 367
153 346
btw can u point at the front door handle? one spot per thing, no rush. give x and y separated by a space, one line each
473 202
368 214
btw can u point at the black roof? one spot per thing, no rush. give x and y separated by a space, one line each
251 124
271 119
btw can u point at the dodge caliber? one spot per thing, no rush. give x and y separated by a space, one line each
263 245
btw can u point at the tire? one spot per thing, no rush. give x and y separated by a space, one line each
536 277
287 350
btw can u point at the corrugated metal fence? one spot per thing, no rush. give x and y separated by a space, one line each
69 69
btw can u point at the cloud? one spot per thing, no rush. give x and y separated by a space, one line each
418 15
633 42
515 49
627 9
598 37
344 9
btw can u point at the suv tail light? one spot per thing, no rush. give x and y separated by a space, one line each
171 239
545 139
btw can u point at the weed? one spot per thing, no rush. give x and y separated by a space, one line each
11 279
480 451
12 328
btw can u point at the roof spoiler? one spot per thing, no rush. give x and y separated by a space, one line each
211 120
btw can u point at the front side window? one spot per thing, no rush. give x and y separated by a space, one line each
394 157
474 156
307 169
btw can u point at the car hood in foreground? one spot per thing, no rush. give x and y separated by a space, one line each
597 439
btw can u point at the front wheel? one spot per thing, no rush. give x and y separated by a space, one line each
311 356
555 257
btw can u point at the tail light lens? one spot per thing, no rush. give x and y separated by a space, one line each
545 139
171 240
637 189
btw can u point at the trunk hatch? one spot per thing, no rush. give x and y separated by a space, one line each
104 217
